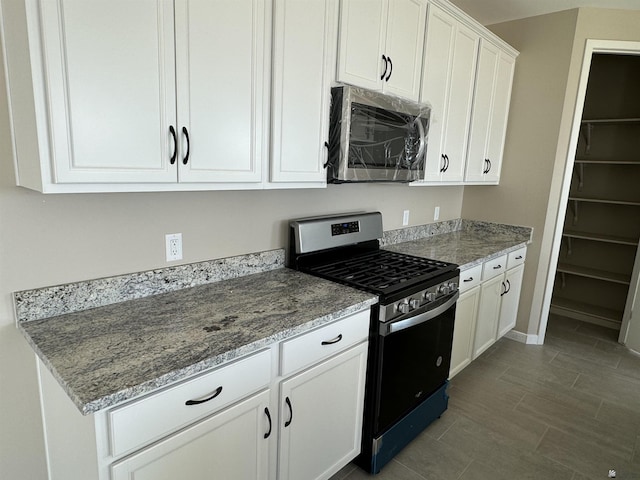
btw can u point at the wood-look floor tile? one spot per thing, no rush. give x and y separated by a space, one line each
391 471
489 447
614 388
524 431
433 459
615 438
585 457
584 352
619 415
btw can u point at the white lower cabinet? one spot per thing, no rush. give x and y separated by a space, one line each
499 298
464 330
321 417
230 444
466 317
290 411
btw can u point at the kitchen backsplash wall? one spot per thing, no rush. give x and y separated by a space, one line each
57 239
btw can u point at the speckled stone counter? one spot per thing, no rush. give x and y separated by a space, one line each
472 243
106 355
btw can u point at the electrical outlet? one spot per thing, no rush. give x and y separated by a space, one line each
173 242
405 218
436 213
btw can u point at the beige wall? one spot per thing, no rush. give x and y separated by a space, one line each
539 86
53 239
538 138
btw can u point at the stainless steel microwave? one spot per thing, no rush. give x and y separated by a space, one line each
375 137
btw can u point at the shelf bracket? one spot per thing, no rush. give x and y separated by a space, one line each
574 209
587 136
569 246
579 169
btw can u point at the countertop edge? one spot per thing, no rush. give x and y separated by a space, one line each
177 376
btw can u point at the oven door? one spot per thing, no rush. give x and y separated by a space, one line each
414 357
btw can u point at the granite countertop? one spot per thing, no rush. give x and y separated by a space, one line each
105 355
112 339
473 243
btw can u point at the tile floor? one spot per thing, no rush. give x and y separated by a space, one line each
569 409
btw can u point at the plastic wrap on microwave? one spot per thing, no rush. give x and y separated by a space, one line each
375 137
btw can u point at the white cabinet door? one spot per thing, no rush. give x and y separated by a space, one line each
488 313
381 45
222 52
464 330
363 26
110 77
321 417
404 47
447 84
490 111
510 299
305 39
230 445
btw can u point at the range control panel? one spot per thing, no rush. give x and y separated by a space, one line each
344 228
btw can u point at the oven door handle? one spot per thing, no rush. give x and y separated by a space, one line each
421 318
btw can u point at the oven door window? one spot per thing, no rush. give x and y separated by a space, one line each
415 363
383 139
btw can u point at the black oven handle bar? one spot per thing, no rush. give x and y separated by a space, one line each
418 319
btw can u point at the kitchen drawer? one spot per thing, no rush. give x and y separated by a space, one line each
517 257
493 268
312 347
470 277
151 418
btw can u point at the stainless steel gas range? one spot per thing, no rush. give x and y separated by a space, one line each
411 329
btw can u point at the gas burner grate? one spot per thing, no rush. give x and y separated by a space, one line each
381 270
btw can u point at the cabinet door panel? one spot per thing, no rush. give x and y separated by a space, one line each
404 44
441 30
480 123
459 102
464 330
110 70
222 54
362 33
305 39
326 417
510 300
230 444
488 312
500 115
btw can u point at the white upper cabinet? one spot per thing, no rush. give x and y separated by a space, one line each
131 98
381 45
490 112
304 58
107 76
447 84
222 80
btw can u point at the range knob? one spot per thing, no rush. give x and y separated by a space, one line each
453 286
430 296
414 303
443 289
403 307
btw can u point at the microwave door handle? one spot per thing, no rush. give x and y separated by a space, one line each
423 145
418 319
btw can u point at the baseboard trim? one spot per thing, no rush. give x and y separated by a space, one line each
522 337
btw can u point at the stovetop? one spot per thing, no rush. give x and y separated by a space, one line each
381 272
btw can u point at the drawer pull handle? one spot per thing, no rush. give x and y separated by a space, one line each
288 402
497 267
470 279
266 412
331 342
519 257
198 402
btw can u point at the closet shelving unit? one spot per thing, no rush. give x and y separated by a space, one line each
602 223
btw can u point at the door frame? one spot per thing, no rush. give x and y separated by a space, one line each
592 46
